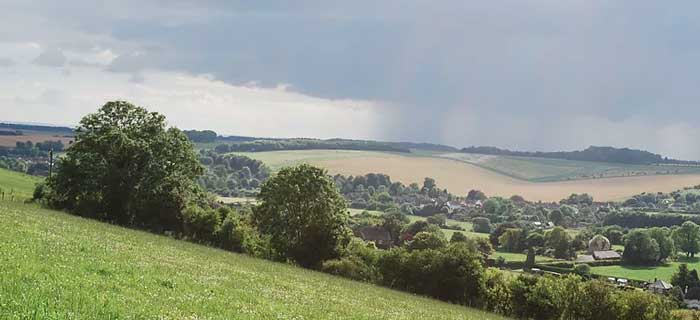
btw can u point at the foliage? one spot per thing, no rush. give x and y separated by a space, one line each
304 214
427 240
560 241
640 248
687 238
126 166
481 225
201 135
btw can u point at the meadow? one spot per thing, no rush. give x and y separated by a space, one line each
20 184
56 266
647 273
459 176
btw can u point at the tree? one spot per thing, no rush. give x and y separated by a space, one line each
640 248
556 217
126 166
438 219
560 241
458 237
687 238
394 222
513 240
305 216
662 236
428 240
682 277
481 225
428 184
475 195
535 239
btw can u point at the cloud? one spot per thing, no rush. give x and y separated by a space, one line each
524 74
51 57
6 62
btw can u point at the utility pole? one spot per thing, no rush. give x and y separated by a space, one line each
50 162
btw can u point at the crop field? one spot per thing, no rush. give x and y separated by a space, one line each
10 141
20 184
664 272
550 170
56 266
459 176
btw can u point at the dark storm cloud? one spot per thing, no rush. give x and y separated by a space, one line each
518 73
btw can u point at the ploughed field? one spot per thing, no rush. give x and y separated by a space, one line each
496 175
56 266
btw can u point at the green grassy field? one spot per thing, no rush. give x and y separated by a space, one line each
57 266
20 184
664 272
549 170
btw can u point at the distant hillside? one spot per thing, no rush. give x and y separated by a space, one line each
592 153
32 127
259 144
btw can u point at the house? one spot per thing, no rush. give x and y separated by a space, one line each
692 304
606 255
378 235
660 287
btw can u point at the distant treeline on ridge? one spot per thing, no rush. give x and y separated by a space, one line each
592 153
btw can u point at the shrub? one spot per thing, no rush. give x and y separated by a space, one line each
427 240
350 267
201 223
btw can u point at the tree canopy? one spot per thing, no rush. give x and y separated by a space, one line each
127 166
303 213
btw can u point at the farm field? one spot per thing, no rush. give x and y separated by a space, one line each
549 170
663 272
459 177
21 184
10 141
54 265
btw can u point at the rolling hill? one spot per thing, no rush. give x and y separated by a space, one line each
55 266
533 178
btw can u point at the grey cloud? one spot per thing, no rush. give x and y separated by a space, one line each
6 62
51 57
544 62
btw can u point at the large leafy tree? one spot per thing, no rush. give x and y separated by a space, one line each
127 166
640 248
687 238
305 216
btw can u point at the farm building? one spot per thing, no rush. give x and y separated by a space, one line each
598 243
606 255
660 287
380 237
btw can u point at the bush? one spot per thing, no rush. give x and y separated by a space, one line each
481 225
427 240
350 267
201 223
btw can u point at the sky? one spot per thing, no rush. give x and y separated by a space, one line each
520 74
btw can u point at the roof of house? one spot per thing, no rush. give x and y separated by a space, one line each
374 233
660 284
606 255
585 258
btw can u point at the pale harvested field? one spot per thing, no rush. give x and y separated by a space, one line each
10 141
460 177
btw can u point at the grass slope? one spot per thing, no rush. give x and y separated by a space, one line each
21 184
54 265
